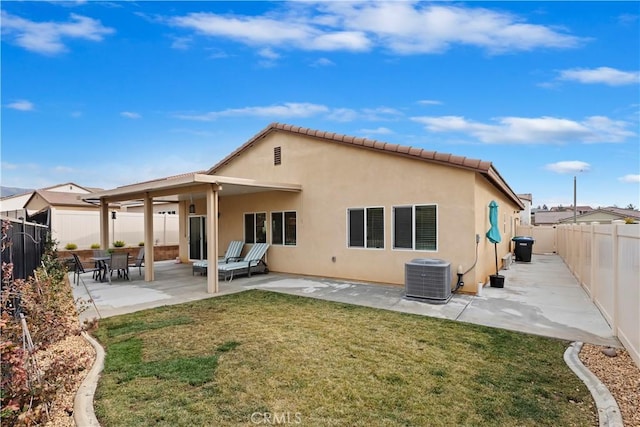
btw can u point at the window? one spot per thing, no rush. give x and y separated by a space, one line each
366 228
255 227
415 227
283 228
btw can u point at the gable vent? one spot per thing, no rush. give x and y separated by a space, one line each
277 155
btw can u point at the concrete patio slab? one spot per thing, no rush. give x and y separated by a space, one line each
541 297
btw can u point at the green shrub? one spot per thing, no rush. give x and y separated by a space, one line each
71 246
119 243
141 244
95 246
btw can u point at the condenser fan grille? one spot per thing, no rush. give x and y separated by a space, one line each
428 279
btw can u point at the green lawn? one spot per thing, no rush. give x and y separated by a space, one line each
257 357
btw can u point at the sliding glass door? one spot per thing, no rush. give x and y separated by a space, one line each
197 238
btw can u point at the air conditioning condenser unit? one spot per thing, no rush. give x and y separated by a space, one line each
428 279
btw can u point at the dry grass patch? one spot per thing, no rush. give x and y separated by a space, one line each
223 360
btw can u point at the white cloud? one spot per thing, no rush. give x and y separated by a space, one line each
9 166
181 43
21 105
343 115
286 110
601 75
62 169
429 102
322 62
296 110
268 53
630 178
569 166
130 115
399 27
76 114
48 37
536 130
377 131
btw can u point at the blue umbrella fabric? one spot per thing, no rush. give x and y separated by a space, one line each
494 232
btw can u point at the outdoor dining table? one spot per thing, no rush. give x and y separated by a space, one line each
103 267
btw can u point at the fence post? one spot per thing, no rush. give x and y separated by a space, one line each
614 266
592 273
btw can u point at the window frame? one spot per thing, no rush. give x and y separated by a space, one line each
254 227
284 228
365 227
413 227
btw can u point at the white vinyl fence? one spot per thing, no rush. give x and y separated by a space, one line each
544 236
83 228
605 258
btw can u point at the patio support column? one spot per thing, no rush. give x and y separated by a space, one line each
212 238
104 224
148 238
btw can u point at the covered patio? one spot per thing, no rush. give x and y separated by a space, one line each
541 297
188 187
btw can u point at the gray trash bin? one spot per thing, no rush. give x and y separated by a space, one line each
524 248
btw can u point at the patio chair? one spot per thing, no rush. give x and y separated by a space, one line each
233 254
120 264
79 269
251 263
139 261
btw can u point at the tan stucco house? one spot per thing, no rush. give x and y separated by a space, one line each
336 206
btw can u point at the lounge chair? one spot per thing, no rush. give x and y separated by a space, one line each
252 263
139 261
233 254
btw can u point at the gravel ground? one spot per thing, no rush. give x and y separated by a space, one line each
61 412
620 375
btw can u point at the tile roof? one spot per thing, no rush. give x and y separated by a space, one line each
58 198
484 167
551 217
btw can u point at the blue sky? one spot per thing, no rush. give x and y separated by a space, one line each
110 93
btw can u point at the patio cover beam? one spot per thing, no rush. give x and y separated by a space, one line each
186 184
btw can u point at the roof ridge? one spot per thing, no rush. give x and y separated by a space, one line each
481 166
406 150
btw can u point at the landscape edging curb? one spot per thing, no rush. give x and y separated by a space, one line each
608 411
83 412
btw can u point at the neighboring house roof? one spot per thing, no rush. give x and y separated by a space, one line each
62 187
13 196
526 196
631 213
580 209
551 217
604 214
485 168
58 198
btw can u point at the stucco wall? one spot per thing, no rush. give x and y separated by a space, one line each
508 216
335 178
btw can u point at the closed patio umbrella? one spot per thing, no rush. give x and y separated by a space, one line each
494 232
